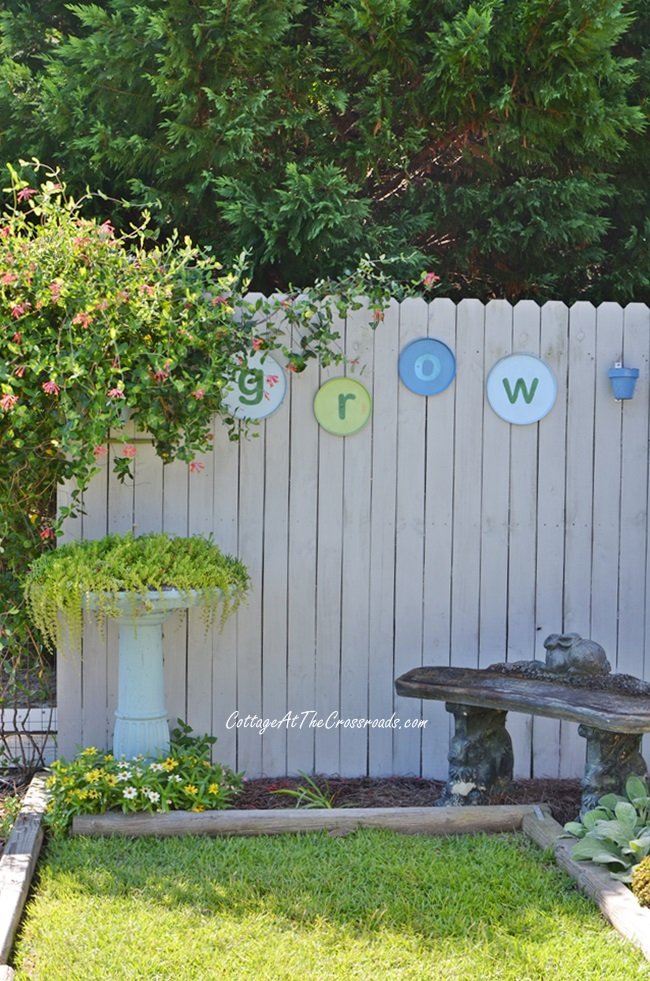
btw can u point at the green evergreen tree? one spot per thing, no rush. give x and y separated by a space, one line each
501 144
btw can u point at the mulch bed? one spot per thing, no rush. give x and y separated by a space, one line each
563 796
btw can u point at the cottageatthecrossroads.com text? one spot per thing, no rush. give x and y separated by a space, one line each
309 719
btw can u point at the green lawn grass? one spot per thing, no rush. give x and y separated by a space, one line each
373 904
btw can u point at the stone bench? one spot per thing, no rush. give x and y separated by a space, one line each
613 712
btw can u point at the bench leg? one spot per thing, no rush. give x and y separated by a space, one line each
611 758
480 755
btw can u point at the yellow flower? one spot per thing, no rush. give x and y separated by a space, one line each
93 776
213 788
111 779
88 751
169 764
191 789
198 807
109 758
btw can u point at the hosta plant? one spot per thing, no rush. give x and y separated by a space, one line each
183 779
59 581
616 833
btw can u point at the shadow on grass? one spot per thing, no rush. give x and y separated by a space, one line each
430 887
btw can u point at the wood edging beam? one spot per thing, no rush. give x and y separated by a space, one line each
18 862
408 820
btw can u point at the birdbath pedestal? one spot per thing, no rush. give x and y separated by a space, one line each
141 721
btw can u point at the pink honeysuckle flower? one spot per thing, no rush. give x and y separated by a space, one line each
258 342
20 370
272 380
5 231
292 367
19 310
55 291
50 387
26 193
115 393
106 230
7 402
199 393
17 337
8 278
219 300
429 278
160 374
196 467
378 316
148 289
46 533
85 319
100 451
129 451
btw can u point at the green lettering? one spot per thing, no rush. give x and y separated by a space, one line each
520 387
342 400
251 386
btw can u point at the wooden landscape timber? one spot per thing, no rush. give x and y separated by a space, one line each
18 862
406 820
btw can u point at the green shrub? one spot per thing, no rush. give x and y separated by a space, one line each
184 779
616 833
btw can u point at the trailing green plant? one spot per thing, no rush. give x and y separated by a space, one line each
311 795
616 833
94 782
58 582
641 881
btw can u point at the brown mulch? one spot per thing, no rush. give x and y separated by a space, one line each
563 796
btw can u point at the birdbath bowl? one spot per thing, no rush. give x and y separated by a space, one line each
141 721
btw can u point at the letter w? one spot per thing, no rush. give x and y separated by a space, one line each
520 386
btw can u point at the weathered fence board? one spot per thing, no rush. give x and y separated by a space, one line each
438 534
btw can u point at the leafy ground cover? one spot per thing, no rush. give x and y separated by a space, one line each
366 905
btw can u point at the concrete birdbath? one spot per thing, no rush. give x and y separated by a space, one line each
141 719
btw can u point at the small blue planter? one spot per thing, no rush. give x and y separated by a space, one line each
623 381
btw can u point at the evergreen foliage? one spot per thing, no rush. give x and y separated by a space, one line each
501 143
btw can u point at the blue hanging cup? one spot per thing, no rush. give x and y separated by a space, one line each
623 381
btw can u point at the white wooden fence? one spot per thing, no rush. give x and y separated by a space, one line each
438 534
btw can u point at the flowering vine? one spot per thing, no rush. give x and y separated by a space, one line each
97 324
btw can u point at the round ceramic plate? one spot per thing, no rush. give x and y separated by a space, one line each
427 366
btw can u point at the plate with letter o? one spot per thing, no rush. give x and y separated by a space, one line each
427 366
342 406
